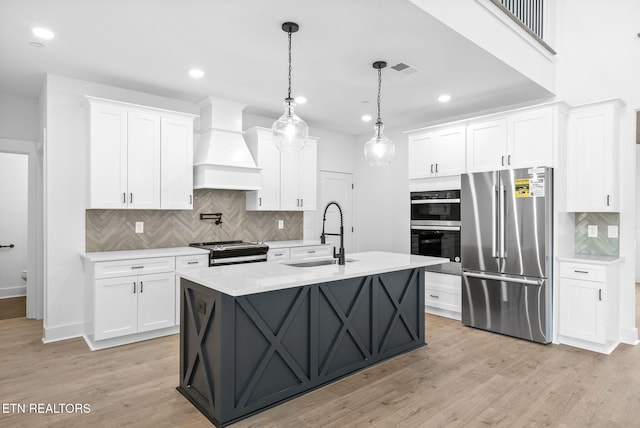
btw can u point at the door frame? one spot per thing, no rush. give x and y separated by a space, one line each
35 221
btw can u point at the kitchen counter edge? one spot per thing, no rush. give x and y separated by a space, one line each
105 256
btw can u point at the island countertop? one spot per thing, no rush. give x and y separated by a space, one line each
250 278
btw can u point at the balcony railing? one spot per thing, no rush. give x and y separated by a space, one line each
528 14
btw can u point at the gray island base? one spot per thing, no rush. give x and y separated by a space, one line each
241 354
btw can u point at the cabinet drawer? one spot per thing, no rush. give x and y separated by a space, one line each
585 272
134 267
312 252
277 254
439 298
192 261
443 281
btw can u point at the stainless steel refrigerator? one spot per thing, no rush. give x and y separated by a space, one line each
506 251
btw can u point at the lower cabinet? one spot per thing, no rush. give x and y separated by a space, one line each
588 306
134 304
182 262
442 295
304 252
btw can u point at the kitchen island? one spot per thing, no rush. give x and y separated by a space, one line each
253 335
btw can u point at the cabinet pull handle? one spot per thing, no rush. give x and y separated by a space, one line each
260 201
580 271
600 294
137 267
192 263
431 168
134 287
436 168
130 198
311 251
278 254
608 198
502 161
190 199
124 198
141 286
435 297
509 160
301 202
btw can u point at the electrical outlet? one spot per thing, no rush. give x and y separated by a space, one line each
139 226
280 224
592 231
612 231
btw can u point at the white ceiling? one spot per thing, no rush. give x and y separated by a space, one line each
149 45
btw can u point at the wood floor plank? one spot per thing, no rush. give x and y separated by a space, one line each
463 378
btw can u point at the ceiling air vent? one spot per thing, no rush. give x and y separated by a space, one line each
405 68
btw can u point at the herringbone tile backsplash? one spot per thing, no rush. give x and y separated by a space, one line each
601 245
108 230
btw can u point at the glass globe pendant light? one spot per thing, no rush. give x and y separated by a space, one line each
379 150
289 131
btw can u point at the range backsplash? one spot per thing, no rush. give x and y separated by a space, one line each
602 245
108 230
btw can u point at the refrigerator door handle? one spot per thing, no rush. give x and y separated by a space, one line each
537 282
494 227
502 215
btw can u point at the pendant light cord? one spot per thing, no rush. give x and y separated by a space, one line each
289 91
379 88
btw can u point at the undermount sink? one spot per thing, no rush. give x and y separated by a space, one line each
313 263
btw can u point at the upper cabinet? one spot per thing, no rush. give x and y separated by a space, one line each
487 145
437 153
288 179
139 157
593 146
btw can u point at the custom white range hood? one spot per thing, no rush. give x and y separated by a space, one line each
221 158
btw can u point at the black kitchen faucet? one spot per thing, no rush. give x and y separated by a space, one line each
340 256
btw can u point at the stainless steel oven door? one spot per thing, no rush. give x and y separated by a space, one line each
436 241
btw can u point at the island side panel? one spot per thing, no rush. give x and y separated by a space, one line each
269 347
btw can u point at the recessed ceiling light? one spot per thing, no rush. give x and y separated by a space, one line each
43 33
366 118
301 99
444 98
196 73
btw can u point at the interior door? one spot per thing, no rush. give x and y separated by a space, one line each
336 186
479 205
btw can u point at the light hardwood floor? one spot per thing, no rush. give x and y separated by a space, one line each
463 378
13 307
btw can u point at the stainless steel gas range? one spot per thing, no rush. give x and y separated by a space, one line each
232 252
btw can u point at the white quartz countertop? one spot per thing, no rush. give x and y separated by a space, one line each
103 256
296 243
250 278
591 259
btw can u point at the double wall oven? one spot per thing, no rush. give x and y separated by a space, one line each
435 224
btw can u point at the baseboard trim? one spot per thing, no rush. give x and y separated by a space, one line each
629 336
62 332
7 293
96 345
604 348
443 313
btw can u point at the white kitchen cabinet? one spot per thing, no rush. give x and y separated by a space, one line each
442 294
487 145
437 153
288 179
133 304
176 166
182 262
138 156
588 302
298 251
593 150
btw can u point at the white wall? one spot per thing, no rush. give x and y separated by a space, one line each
13 223
599 58
18 117
65 163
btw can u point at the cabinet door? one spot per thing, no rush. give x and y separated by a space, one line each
289 185
448 150
308 173
108 157
267 158
176 163
143 154
592 160
115 307
420 161
530 139
156 301
487 146
582 310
